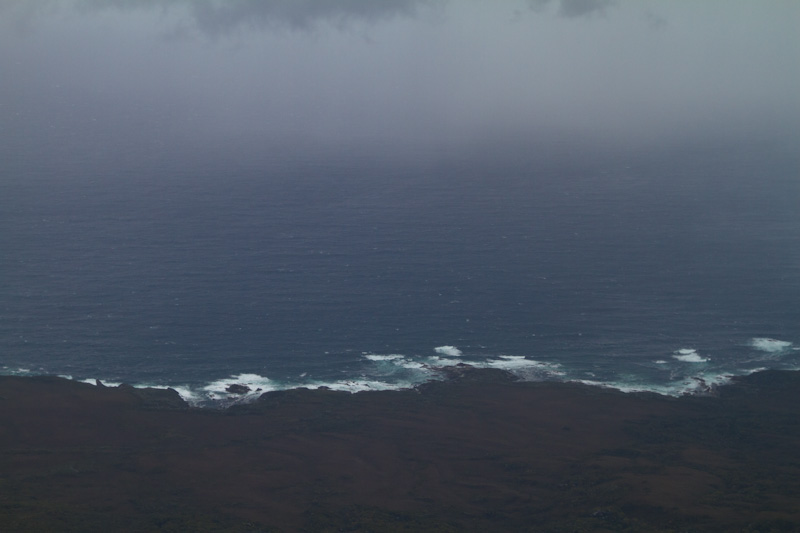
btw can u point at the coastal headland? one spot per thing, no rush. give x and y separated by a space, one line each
479 452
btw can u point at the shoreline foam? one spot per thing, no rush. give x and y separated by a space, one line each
686 372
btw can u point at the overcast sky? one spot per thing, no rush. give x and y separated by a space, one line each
401 69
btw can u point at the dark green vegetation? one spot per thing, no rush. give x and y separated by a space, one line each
478 453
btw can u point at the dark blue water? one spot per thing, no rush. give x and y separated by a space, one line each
279 268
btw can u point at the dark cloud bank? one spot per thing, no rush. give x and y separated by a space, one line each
218 16
573 8
416 71
215 17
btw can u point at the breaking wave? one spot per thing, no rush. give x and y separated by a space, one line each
682 371
689 355
773 346
451 351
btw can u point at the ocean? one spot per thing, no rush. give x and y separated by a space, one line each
668 270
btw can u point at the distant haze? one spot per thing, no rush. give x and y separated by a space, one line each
629 72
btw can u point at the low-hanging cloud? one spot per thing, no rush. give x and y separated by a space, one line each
573 8
580 8
219 17
428 70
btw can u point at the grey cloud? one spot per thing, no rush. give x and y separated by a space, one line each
221 16
538 5
580 8
429 69
217 17
573 8
655 21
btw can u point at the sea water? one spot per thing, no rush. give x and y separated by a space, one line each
667 271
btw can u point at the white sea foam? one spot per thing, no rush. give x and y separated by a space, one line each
390 357
441 361
393 371
451 351
188 395
689 355
359 385
519 364
773 346
627 387
400 363
426 369
702 383
412 365
102 383
20 371
257 384
507 361
693 358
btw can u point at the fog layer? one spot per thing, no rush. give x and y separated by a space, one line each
400 70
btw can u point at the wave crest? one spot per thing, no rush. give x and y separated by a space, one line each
773 346
689 355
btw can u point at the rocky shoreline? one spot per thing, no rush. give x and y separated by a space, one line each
478 452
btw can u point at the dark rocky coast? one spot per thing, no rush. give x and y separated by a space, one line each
476 453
